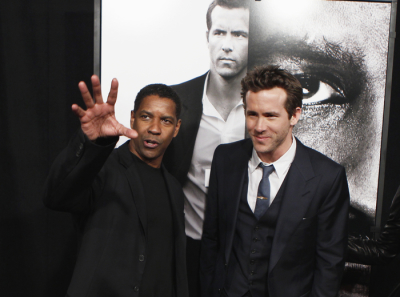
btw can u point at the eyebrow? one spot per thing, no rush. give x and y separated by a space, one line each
268 113
145 111
218 30
328 60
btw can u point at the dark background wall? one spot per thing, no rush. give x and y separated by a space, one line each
46 48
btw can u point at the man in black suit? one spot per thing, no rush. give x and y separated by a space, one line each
128 207
212 114
276 213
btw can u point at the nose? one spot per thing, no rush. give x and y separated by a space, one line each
227 45
155 128
260 126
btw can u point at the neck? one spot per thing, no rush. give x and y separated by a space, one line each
224 93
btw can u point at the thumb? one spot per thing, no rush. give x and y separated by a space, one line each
130 133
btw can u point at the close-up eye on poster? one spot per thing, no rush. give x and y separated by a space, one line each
338 50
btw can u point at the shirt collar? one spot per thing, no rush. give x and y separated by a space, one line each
281 165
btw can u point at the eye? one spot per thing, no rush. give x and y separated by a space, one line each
270 115
317 90
144 116
167 121
251 114
219 32
239 34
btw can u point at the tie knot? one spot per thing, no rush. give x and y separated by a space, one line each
267 169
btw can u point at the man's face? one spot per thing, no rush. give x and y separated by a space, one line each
228 41
338 51
268 123
156 123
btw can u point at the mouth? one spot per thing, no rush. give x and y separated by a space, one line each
151 143
225 59
260 138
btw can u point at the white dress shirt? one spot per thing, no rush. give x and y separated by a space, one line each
213 131
276 178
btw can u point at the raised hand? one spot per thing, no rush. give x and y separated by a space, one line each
98 120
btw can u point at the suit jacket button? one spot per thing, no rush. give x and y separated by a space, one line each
79 151
141 258
136 289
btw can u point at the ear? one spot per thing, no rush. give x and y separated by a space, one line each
132 118
178 125
295 117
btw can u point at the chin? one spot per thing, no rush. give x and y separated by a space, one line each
227 73
262 149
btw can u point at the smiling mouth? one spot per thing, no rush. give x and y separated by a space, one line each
149 143
260 137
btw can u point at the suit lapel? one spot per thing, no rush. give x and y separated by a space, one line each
135 184
297 196
178 155
237 165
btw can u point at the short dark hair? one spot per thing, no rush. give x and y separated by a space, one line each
224 3
269 77
162 91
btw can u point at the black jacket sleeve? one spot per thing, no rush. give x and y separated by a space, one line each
386 247
69 183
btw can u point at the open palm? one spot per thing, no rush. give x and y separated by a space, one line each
98 120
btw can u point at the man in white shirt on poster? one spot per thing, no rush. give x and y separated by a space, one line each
212 114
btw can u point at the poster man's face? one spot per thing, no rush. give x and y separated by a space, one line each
228 41
338 52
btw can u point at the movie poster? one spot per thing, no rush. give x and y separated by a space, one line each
337 49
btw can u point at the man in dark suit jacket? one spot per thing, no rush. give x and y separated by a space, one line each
128 207
294 245
212 114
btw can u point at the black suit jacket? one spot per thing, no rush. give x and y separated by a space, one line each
179 154
307 256
101 186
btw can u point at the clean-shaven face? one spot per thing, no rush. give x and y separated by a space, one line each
228 41
156 124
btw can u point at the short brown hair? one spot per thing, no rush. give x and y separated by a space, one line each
230 4
269 77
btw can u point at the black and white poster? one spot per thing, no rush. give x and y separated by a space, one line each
338 49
